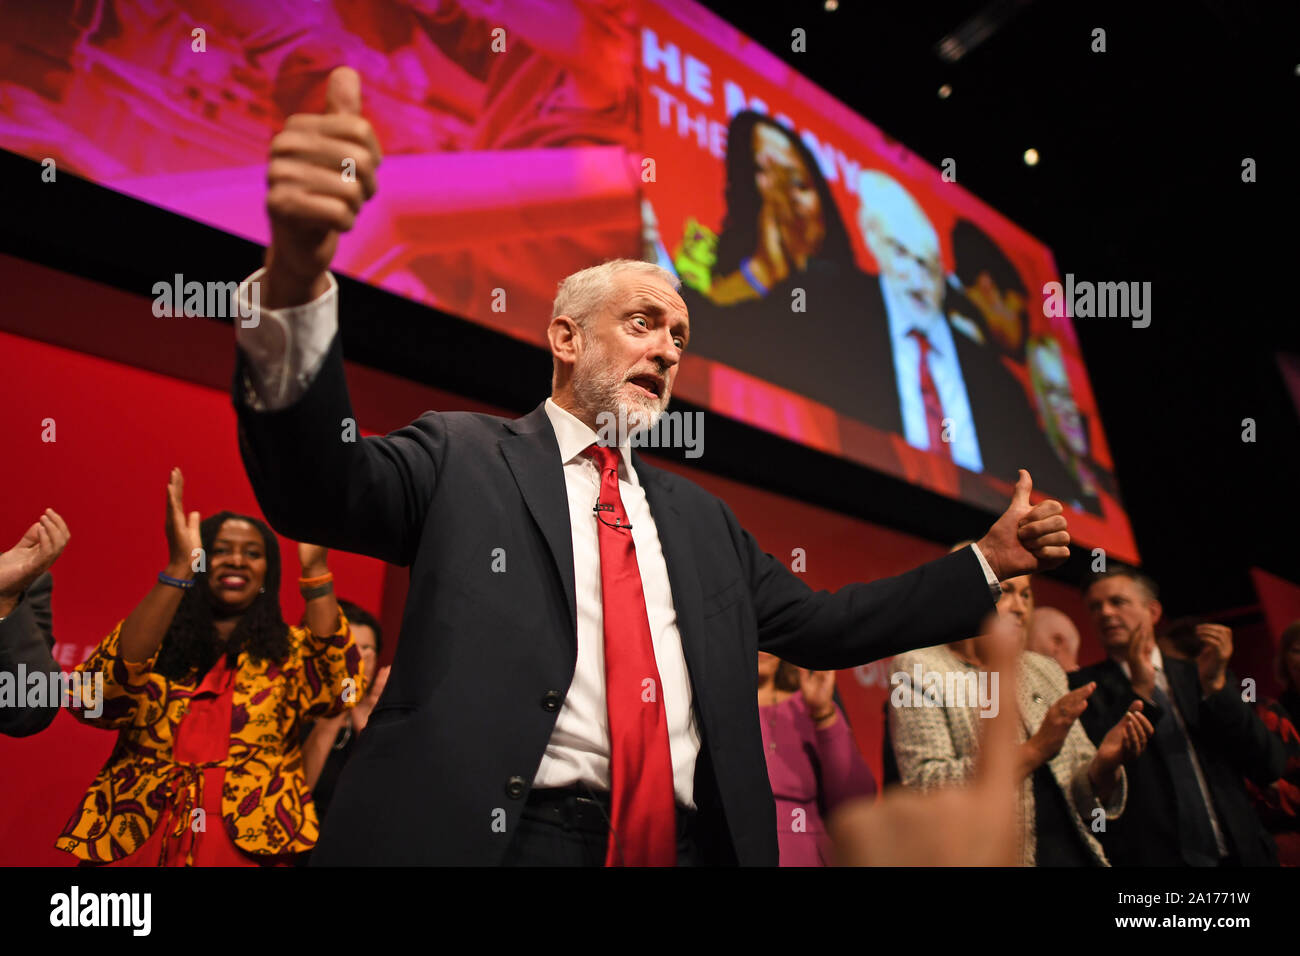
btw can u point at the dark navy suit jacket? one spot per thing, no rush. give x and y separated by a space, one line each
1231 744
26 637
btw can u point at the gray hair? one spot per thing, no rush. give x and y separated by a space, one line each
581 295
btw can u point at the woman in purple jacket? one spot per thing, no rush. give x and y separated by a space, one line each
812 760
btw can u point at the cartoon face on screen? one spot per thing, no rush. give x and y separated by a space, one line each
903 241
780 212
993 286
1061 416
790 219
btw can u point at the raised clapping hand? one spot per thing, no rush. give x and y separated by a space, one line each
33 555
1212 661
313 559
309 198
1143 672
1127 739
1026 539
1048 740
183 537
818 689
1123 742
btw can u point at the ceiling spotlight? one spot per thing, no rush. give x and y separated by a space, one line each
832 5
1031 157
945 91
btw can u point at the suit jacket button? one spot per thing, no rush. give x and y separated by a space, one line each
551 701
515 787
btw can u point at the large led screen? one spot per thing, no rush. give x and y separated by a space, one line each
843 292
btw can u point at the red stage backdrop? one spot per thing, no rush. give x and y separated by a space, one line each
119 428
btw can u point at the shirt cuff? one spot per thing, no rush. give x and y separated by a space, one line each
284 347
994 587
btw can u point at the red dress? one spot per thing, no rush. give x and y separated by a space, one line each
201 743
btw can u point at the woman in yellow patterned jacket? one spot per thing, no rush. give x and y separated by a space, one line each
207 686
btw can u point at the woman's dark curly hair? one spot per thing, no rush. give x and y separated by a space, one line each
738 237
191 646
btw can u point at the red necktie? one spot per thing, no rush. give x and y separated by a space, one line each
643 817
930 397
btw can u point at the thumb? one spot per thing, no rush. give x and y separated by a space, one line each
344 92
1024 485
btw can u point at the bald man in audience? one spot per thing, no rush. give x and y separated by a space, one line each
949 393
1053 634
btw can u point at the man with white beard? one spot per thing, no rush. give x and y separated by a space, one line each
574 682
960 402
906 247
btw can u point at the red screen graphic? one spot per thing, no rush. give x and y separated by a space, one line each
529 139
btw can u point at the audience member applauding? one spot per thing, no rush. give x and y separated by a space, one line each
1181 639
330 741
812 760
206 686
1278 803
26 638
1187 803
1063 779
973 825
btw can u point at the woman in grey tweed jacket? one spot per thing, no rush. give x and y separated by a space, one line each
935 743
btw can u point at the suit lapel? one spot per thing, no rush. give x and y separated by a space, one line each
1034 703
1034 695
683 577
533 455
1111 678
881 388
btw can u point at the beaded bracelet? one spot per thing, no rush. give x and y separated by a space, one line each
164 578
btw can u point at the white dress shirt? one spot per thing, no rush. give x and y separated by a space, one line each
945 370
579 745
1162 681
286 348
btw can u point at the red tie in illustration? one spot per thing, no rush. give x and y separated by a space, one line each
930 396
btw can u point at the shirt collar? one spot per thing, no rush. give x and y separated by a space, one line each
575 436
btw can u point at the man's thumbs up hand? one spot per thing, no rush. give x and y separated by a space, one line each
322 171
343 95
1026 538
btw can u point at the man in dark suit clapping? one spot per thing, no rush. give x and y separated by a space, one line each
1187 805
931 381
